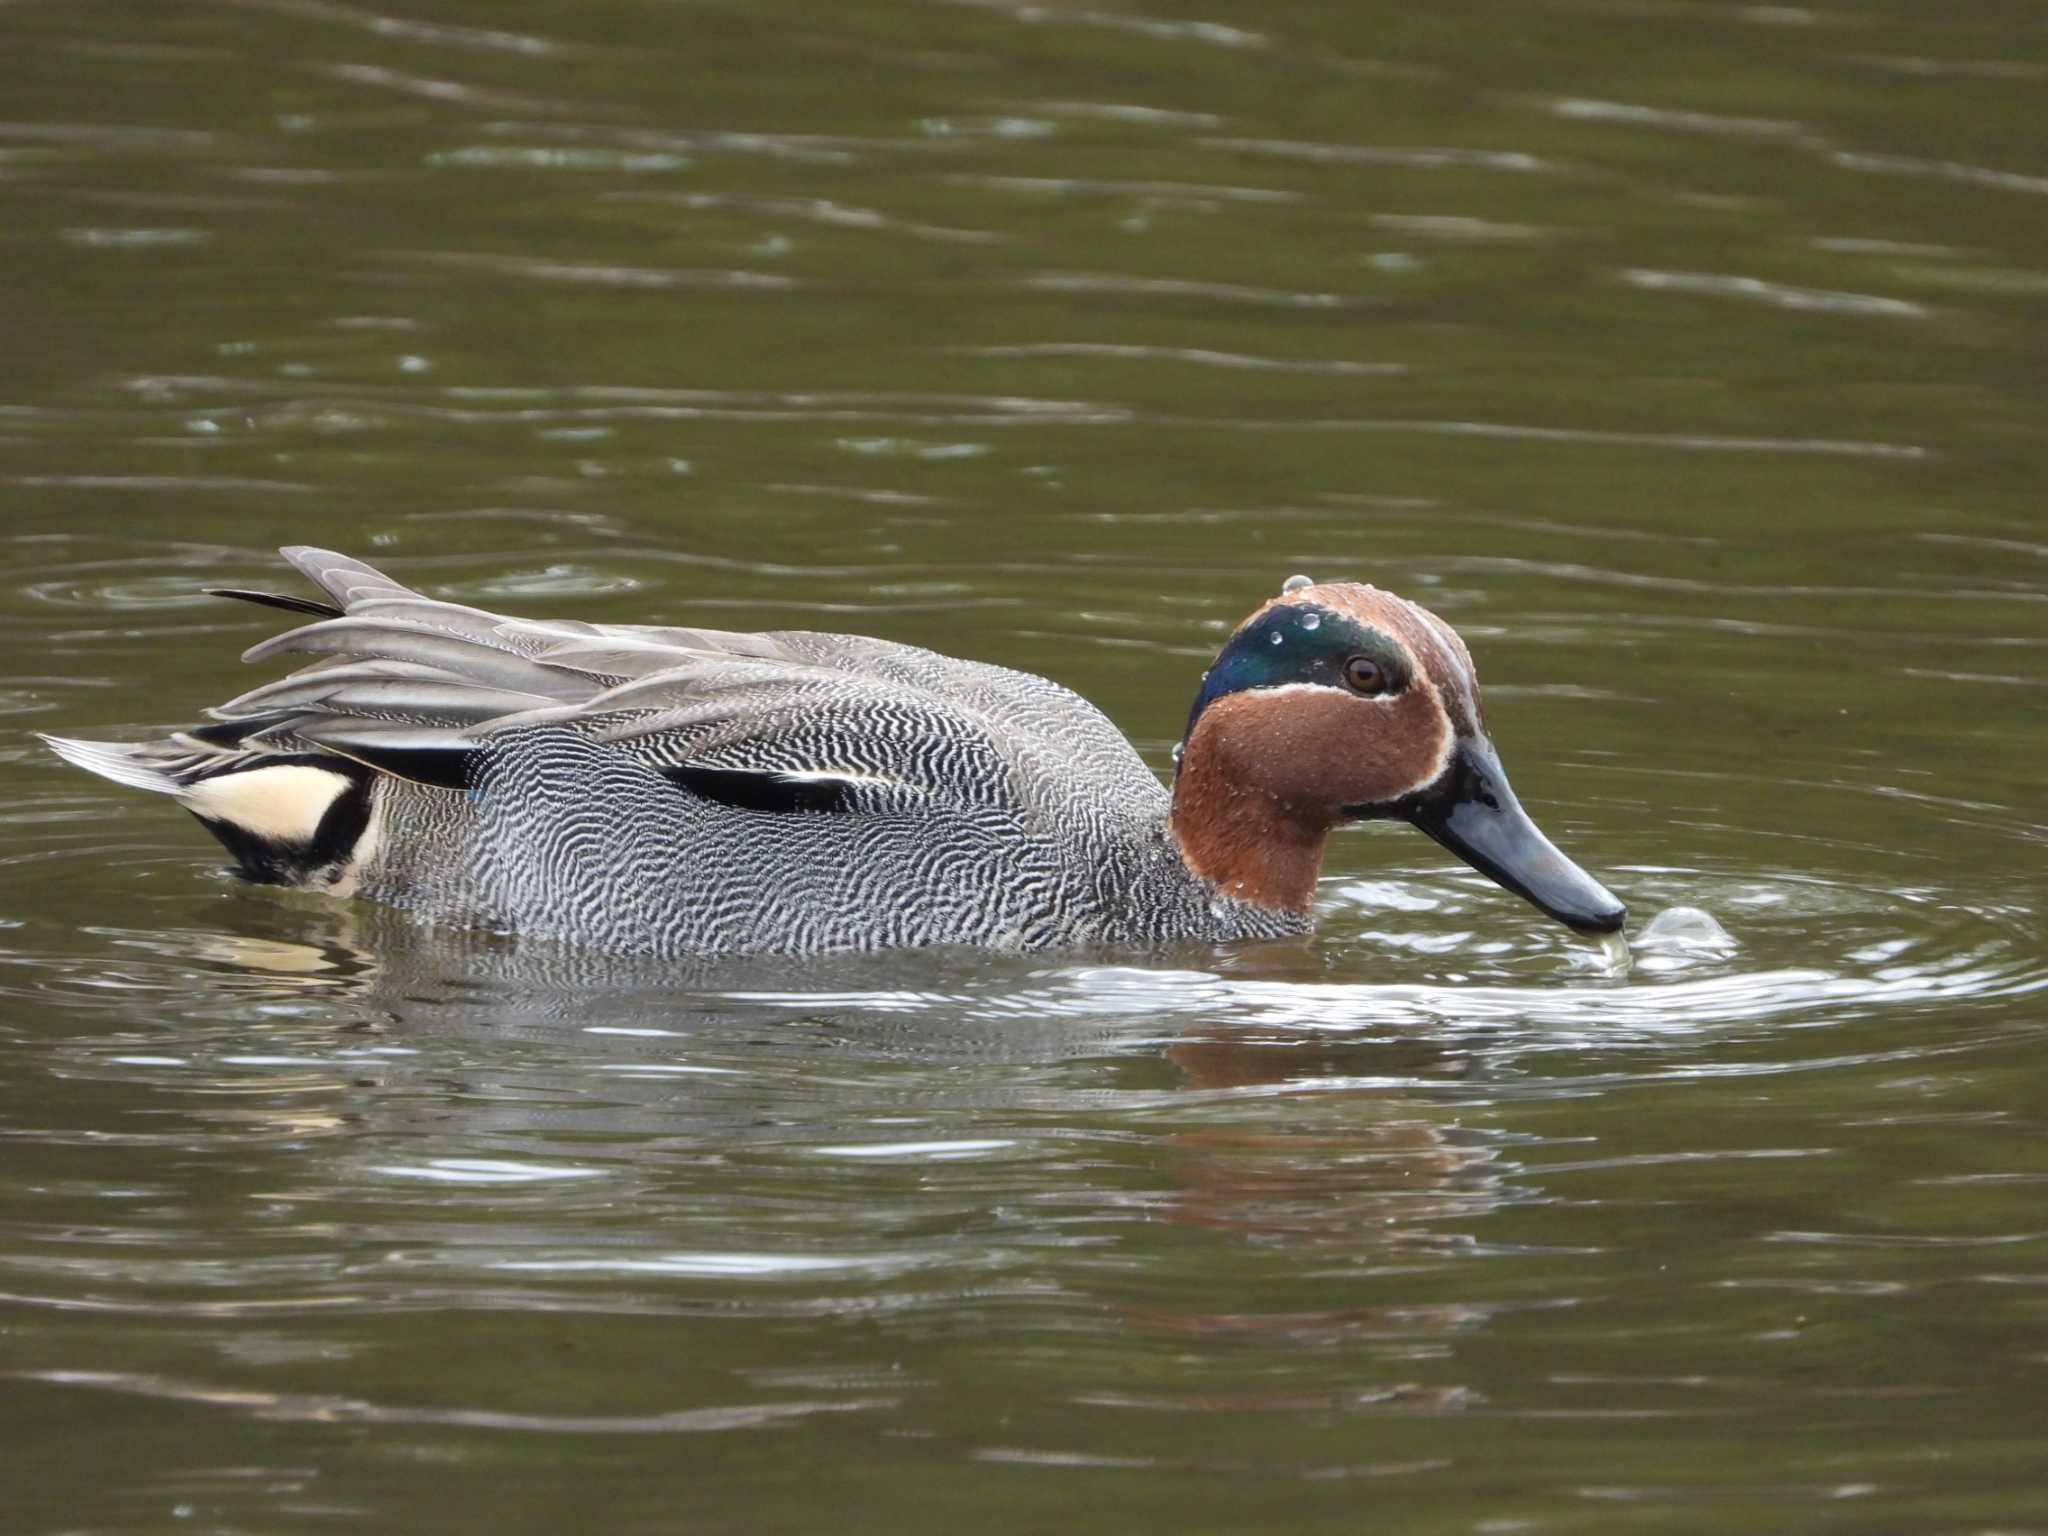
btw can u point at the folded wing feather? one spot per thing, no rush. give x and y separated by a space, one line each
415 687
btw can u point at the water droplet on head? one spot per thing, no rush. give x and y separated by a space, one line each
1295 584
1311 619
1178 748
1276 637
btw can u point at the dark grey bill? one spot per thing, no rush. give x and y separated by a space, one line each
1474 813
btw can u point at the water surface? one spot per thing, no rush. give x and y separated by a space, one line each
1688 358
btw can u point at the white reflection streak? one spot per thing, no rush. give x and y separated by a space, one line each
1197 355
560 158
1698 442
285 1407
818 210
1180 287
1212 32
1459 226
482 1170
1783 296
934 1150
135 239
1586 110
107 137
693 1265
1190 191
431 89
1946 170
603 273
440 33
1427 157
1125 112
166 483
1667 1008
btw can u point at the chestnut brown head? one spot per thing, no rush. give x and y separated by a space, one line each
1339 702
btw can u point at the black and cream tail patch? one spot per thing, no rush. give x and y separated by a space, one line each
307 819
299 821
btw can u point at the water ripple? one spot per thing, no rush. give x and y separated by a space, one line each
287 1408
136 239
818 210
1583 109
167 483
110 136
1430 158
406 29
1126 112
1783 296
578 159
1688 441
602 274
426 88
1942 170
1078 350
1198 356
1186 288
1196 192
1212 32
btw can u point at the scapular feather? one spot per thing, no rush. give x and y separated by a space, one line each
277 600
751 790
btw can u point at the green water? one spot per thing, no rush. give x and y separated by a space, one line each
1691 358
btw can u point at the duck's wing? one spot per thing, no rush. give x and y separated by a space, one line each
418 688
618 650
1013 702
1074 748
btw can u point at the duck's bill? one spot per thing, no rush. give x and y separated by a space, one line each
1475 814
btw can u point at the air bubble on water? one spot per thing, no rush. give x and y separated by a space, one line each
1311 620
1686 929
1295 584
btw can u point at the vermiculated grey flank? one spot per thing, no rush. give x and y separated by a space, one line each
676 791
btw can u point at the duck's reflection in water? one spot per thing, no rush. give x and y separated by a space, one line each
478 1046
922 1137
1368 1184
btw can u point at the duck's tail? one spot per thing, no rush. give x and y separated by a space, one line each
124 764
288 819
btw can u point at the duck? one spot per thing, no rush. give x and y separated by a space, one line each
683 791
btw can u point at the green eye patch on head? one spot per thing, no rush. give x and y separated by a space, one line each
1305 643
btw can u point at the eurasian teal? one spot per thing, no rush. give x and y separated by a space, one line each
692 791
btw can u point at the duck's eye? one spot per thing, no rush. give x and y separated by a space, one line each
1365 676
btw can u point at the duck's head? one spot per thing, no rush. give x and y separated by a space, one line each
1337 703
